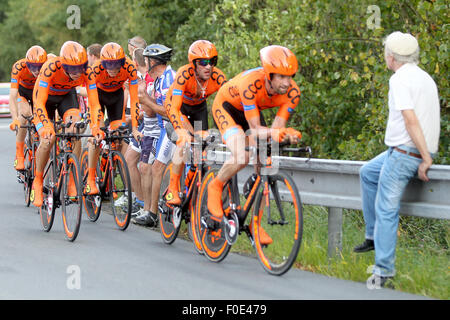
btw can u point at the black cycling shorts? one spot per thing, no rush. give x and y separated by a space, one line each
113 102
62 103
196 113
27 94
239 116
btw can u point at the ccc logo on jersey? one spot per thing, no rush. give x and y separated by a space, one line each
221 119
252 89
294 95
220 79
185 75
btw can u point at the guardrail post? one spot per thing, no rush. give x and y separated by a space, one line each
334 232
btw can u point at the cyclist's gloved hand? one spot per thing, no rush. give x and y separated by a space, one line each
46 132
294 133
183 137
279 134
14 124
97 133
201 134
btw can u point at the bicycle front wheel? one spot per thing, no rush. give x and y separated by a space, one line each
120 185
48 208
92 203
277 224
71 197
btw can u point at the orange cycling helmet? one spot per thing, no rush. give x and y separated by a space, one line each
35 58
112 56
73 57
203 50
278 59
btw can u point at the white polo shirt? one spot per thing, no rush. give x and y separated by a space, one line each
410 87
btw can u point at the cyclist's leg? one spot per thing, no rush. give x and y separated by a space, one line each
42 156
234 137
70 111
93 154
24 107
172 196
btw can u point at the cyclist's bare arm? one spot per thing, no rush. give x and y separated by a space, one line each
13 94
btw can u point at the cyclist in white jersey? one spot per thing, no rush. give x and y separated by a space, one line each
158 148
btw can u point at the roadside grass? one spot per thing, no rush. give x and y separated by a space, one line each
422 255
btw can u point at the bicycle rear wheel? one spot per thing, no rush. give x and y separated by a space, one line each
214 244
193 220
92 203
280 216
166 227
71 197
48 208
27 174
119 185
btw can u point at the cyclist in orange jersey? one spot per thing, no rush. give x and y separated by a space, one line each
55 91
237 108
110 74
186 103
23 77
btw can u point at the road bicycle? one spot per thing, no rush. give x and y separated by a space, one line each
62 182
170 217
277 211
26 176
113 179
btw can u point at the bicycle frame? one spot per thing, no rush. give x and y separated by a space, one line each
108 169
235 204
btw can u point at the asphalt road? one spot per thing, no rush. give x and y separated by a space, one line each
105 263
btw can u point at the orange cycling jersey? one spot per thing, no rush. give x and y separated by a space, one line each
52 80
100 76
20 75
247 92
186 90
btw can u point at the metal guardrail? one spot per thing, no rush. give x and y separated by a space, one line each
335 185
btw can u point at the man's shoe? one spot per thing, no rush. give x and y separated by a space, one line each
19 163
172 198
366 246
147 219
214 203
37 196
123 200
377 282
137 211
264 238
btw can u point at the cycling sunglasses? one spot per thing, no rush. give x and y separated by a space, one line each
80 68
34 67
205 62
113 64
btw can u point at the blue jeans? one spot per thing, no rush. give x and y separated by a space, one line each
383 181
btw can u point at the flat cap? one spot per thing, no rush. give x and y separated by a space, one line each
400 43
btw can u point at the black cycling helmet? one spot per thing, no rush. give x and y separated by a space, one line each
159 52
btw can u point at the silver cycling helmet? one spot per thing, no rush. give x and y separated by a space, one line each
159 52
